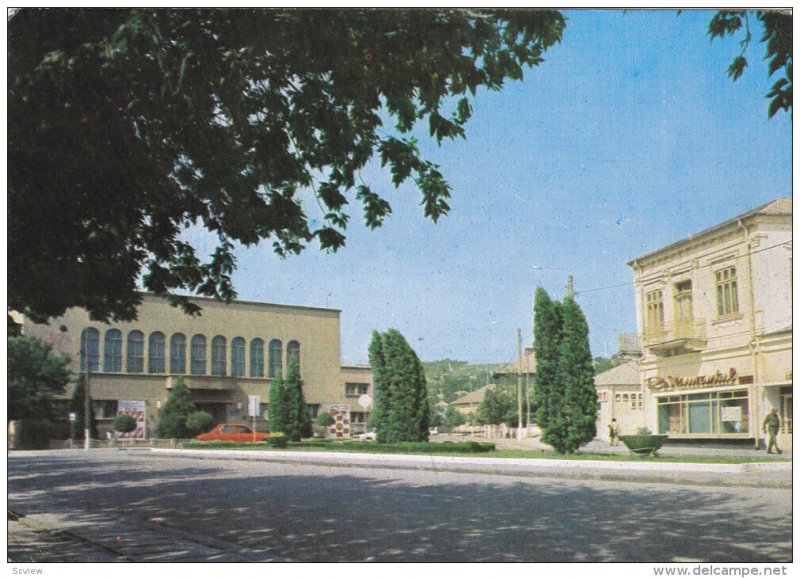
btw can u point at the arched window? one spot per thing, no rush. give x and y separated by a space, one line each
90 349
293 354
112 361
156 353
177 353
275 358
237 357
199 355
257 358
135 362
219 351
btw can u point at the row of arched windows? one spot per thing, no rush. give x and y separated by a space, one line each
198 363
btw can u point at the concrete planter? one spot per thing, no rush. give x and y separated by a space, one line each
644 445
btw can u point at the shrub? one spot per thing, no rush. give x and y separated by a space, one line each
175 411
277 439
643 431
31 433
124 423
199 422
325 419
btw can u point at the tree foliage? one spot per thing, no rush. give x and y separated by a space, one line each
127 126
277 405
778 38
77 405
199 422
499 405
565 395
402 411
35 377
175 412
124 423
298 421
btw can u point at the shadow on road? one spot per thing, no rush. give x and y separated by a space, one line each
327 514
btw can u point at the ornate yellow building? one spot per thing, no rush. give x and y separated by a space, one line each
225 355
714 312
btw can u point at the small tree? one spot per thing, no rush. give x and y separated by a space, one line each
199 422
498 406
124 423
325 419
453 418
175 411
35 376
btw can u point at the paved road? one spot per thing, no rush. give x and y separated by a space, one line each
133 506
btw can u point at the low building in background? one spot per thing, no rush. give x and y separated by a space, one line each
469 403
620 397
226 355
714 312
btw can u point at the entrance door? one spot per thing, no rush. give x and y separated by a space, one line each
786 413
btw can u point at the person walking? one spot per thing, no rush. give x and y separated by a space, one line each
613 431
772 423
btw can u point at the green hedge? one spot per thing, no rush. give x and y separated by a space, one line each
372 447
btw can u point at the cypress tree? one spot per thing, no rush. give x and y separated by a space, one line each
547 338
401 410
298 421
576 376
277 405
78 405
380 387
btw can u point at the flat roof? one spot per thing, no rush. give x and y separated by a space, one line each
244 302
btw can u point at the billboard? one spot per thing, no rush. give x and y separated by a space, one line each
137 410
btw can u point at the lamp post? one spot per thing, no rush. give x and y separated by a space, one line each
87 399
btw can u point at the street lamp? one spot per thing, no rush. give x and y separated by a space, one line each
87 404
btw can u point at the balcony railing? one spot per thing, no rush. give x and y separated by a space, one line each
682 334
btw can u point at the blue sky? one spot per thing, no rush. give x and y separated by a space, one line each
628 137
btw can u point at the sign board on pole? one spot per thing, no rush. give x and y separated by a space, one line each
254 405
365 401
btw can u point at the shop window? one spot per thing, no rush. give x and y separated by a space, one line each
257 358
727 292
715 413
237 357
135 361
156 353
198 355
355 389
112 360
177 354
654 301
275 358
90 349
219 352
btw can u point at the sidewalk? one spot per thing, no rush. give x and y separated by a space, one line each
774 474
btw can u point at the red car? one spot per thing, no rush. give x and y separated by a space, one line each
232 432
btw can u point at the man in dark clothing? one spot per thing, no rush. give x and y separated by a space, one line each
772 424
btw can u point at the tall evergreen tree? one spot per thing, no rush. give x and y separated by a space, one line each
576 377
277 405
175 411
298 421
546 339
383 400
402 412
77 405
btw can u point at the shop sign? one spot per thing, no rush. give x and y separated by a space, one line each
340 429
696 382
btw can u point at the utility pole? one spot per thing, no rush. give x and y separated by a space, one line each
527 396
87 403
519 385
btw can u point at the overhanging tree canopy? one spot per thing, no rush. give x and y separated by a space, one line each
128 126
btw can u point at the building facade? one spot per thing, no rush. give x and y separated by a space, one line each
714 313
225 355
620 397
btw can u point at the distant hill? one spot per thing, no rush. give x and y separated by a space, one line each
449 379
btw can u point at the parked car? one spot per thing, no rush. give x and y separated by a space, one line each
232 432
367 435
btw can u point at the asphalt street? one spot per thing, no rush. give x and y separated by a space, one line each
116 505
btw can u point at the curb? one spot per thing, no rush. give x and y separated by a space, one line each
664 472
